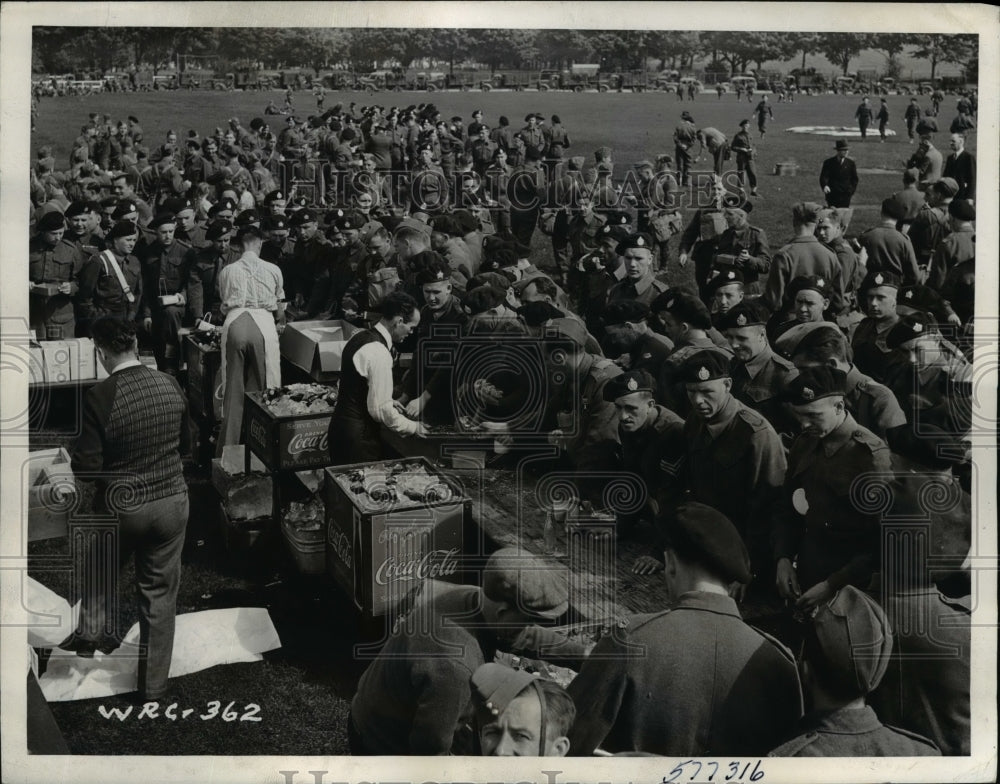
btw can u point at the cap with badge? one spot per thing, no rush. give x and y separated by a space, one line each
125 209
218 229
802 336
527 280
918 297
123 228
247 217
910 327
162 219
809 283
701 534
614 232
275 223
525 582
638 240
435 269
77 208
629 382
705 365
301 217
299 202
877 278
723 275
733 201
495 685
813 383
51 221
349 221
274 196
684 307
850 641
748 313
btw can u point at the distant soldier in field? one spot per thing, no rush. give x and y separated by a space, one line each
883 120
763 112
743 148
864 115
685 135
912 117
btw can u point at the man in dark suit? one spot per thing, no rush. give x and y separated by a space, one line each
839 177
134 430
961 167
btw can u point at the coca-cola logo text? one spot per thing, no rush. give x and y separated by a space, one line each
258 432
341 545
308 442
435 563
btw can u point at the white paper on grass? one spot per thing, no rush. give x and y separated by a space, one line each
201 640
47 615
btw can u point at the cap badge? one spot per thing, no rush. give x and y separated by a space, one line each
879 279
440 275
640 242
278 195
670 304
632 385
703 374
820 282
918 327
808 394
909 294
731 275
741 320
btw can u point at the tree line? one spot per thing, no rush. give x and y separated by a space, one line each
61 49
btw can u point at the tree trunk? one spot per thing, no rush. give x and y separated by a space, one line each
934 63
803 59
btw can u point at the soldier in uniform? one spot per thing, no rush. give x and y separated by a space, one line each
844 657
911 116
713 140
818 343
830 231
111 281
626 328
165 274
807 300
520 714
700 238
745 244
763 112
279 248
54 267
931 225
873 357
205 264
743 147
735 460
81 232
596 272
864 115
804 255
687 322
685 135
584 227
649 687
310 288
889 250
820 525
957 247
758 374
640 282
725 290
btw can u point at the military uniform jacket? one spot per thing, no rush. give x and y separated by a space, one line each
927 230
890 250
742 146
694 680
59 264
164 271
644 290
655 455
758 384
753 240
101 293
649 353
957 247
853 732
673 393
820 520
736 464
804 256
583 234
203 282
872 404
596 417
871 355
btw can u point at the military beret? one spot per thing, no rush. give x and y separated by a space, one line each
526 583
133 119
962 209
225 203
123 209
893 208
247 217
910 327
302 216
705 365
78 208
744 314
123 228
744 123
881 278
350 220
435 270
809 283
218 229
806 212
627 383
733 201
802 336
812 383
616 218
161 219
520 285
299 202
446 224
853 641
274 196
614 232
625 310
504 257
706 536
569 329
946 186
639 240
537 313
495 686
109 203
684 307
257 123
723 275
919 297
465 222
603 167
643 164
275 223
483 298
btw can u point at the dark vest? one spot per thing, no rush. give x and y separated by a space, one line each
353 431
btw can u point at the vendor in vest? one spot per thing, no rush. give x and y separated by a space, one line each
250 289
365 397
111 281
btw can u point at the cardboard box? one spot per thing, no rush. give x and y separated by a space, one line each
36 364
286 442
56 361
379 556
51 493
74 358
316 346
86 364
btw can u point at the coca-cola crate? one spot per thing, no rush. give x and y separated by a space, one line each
286 442
379 552
203 364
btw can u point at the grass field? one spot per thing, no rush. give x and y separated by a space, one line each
304 689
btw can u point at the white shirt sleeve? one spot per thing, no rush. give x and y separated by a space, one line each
374 362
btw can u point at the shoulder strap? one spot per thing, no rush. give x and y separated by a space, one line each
111 261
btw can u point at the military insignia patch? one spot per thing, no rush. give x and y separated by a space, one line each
703 374
918 327
879 279
808 394
440 275
632 385
909 295
741 320
820 282
640 242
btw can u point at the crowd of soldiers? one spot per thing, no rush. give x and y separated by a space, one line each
751 404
